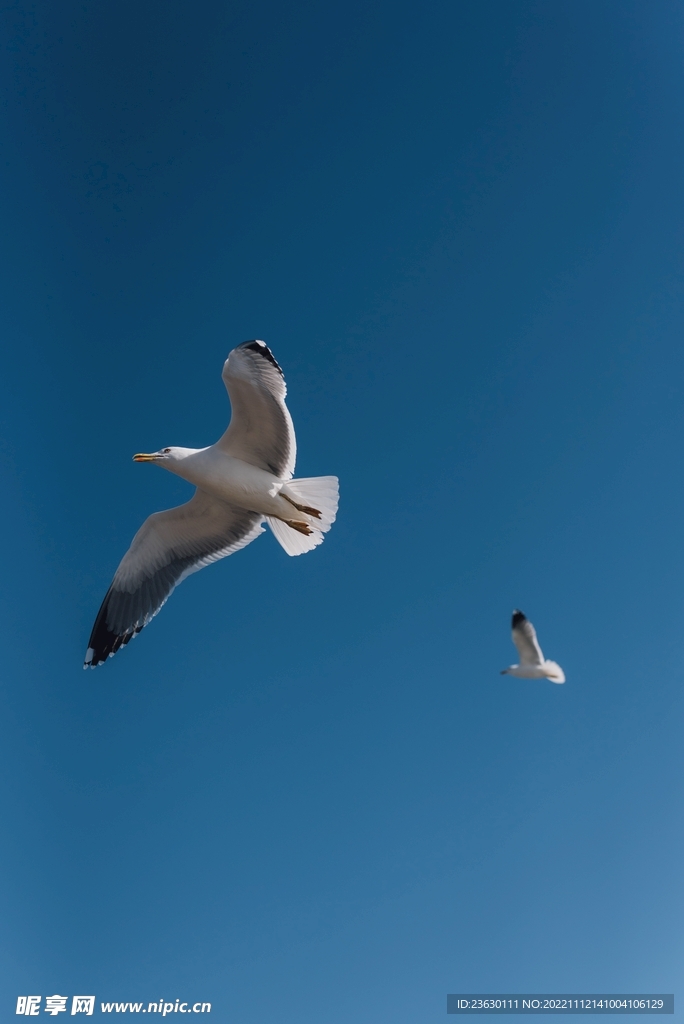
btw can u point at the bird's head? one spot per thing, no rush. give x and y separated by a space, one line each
164 455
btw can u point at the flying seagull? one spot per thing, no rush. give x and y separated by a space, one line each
242 480
533 664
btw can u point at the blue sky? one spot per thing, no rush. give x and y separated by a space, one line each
305 791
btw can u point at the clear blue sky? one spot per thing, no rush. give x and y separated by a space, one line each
305 793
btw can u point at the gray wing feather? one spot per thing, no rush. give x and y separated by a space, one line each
261 431
525 639
168 547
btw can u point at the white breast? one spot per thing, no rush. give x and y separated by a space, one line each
232 480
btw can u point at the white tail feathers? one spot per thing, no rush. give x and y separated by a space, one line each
554 672
295 543
319 492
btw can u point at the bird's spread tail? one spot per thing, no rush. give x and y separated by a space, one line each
554 672
314 501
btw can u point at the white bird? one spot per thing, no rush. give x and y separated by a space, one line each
533 664
242 480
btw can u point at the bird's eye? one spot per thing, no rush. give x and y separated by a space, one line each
166 451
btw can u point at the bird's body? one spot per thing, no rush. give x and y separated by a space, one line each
533 664
230 479
242 480
547 670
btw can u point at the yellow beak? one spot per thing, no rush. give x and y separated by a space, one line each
141 457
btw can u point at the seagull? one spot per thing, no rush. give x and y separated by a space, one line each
242 480
533 664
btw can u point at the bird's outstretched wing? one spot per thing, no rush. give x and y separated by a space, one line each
525 639
261 430
168 547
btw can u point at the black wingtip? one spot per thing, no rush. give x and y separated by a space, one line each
518 618
103 642
262 348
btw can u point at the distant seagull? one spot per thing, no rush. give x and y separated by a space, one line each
242 480
533 664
